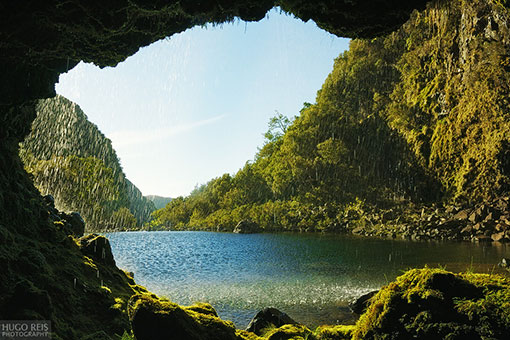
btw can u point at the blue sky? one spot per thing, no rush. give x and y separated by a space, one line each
194 106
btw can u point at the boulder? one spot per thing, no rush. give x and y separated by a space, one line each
155 319
499 237
462 215
434 304
73 222
247 227
466 230
269 317
360 305
482 238
504 263
49 200
97 247
388 216
77 224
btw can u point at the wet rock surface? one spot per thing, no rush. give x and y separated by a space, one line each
154 319
488 221
436 304
269 317
360 305
98 247
71 224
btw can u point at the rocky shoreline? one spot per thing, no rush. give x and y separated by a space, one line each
420 304
484 222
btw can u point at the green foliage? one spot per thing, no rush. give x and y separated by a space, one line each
78 184
278 125
123 218
72 160
418 116
431 303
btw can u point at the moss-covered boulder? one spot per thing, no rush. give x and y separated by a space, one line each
269 317
156 319
98 247
436 304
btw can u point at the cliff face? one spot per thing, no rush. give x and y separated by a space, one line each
452 103
428 103
72 160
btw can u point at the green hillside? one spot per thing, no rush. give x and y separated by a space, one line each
159 201
413 120
72 160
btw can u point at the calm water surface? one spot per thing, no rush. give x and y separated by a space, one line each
311 277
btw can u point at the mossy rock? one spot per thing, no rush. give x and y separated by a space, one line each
289 332
436 304
339 332
98 247
153 319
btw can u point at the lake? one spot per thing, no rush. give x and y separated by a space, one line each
311 277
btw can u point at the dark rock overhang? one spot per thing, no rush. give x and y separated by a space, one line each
41 39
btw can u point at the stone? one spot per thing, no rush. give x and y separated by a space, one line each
77 224
499 227
97 247
155 319
359 305
504 263
247 227
482 238
498 236
358 230
49 200
489 217
268 317
462 215
475 217
477 226
466 230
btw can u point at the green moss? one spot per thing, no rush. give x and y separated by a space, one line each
202 308
150 315
339 332
434 304
288 332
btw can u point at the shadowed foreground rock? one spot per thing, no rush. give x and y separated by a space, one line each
155 319
268 317
359 306
435 304
422 304
97 247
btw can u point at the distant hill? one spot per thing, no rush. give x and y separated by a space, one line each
159 201
71 159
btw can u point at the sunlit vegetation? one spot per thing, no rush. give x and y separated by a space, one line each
427 303
69 158
420 116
